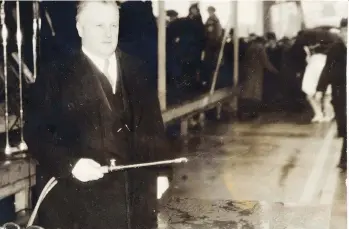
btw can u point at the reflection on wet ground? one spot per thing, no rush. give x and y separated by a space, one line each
194 213
262 174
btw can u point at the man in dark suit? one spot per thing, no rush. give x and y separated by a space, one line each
334 74
90 110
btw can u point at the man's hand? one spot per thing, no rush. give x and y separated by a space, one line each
87 170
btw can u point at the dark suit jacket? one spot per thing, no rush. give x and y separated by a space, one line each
255 61
65 123
334 74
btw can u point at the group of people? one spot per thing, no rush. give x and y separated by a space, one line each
192 51
192 58
311 70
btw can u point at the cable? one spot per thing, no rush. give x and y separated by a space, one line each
48 187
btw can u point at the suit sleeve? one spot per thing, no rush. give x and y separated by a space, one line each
52 134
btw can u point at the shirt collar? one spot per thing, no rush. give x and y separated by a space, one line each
99 62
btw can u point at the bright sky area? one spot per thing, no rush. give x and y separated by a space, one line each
250 14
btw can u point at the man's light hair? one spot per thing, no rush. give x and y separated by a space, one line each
81 5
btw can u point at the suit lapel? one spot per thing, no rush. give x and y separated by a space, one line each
91 80
119 74
126 83
131 93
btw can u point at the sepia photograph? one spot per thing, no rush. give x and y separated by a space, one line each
173 114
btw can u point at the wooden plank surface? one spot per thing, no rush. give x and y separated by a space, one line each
14 177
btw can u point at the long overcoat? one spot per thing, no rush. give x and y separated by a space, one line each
254 63
72 114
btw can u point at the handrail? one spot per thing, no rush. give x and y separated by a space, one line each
197 104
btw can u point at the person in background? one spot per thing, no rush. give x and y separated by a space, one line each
91 109
185 42
334 74
213 34
272 90
194 13
254 63
172 15
292 69
316 59
213 27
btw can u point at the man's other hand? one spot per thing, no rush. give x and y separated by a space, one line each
87 170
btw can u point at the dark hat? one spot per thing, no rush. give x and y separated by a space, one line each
270 36
259 39
194 5
211 8
252 35
171 13
344 23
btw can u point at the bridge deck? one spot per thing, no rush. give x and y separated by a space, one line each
275 172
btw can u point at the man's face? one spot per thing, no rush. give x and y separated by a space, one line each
251 38
194 11
98 28
344 34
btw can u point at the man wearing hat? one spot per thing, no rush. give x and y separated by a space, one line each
172 16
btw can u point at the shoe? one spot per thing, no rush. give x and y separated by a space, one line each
317 118
328 118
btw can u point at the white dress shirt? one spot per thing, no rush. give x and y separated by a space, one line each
99 63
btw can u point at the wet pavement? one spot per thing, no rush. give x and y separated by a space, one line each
274 172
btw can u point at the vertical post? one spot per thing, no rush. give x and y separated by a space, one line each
219 111
236 43
260 18
301 12
202 119
281 21
162 55
267 22
162 182
184 127
234 103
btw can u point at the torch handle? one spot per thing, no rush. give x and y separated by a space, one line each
107 169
